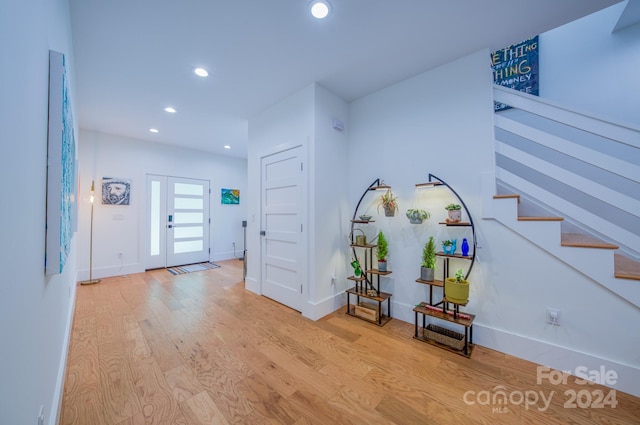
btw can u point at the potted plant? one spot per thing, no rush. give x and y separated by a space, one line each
456 289
389 203
449 246
382 250
417 216
428 260
454 212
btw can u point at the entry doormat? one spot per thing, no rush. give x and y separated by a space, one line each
192 268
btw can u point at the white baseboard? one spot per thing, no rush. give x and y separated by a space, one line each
556 357
56 405
251 284
318 309
101 272
542 353
226 255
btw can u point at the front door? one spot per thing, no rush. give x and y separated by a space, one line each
178 217
283 200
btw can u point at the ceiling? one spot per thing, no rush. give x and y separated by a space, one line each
133 58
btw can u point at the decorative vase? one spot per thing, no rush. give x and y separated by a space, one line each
382 265
389 211
456 292
426 274
465 247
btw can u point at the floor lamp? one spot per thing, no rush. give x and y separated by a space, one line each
91 279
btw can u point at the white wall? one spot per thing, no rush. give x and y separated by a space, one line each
585 66
35 311
440 122
123 228
329 213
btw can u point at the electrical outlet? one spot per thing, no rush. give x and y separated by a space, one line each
553 316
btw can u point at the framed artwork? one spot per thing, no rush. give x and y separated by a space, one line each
116 191
516 67
61 169
230 196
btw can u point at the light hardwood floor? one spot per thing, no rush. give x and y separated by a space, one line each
153 348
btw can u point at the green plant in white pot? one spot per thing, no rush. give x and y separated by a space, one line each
382 250
456 289
454 213
428 260
417 216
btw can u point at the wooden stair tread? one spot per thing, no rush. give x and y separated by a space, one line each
525 218
507 196
584 241
626 268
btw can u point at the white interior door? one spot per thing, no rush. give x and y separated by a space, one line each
178 221
283 200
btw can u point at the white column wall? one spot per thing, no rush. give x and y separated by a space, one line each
330 212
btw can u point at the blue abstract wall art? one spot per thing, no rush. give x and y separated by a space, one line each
61 168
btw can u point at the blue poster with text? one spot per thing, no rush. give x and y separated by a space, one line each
516 67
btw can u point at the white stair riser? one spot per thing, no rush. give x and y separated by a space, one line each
595 263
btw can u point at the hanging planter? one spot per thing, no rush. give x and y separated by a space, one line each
389 203
417 216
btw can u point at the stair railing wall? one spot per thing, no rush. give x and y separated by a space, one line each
581 167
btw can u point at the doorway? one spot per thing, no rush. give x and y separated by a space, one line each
178 221
283 247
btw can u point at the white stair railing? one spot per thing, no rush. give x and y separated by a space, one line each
581 167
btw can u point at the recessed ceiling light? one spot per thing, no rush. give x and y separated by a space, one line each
227 147
201 72
170 110
153 130
320 8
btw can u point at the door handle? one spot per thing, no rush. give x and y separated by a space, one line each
263 233
169 226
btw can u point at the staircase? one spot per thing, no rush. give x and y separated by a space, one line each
570 183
